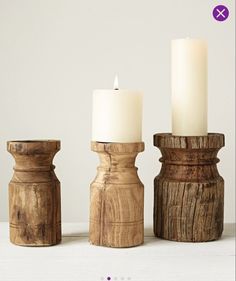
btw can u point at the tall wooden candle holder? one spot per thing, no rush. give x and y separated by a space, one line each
188 192
34 194
117 197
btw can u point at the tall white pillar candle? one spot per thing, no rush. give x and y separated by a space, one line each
189 87
117 116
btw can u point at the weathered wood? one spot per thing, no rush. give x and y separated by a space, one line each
34 194
188 192
116 197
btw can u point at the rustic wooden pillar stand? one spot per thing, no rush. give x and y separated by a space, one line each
117 197
189 192
34 194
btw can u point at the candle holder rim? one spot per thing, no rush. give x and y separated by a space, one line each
170 134
118 147
33 141
33 146
187 142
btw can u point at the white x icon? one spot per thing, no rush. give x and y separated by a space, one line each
220 13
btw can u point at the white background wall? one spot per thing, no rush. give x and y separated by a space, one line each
54 53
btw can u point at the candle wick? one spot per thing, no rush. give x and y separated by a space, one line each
116 83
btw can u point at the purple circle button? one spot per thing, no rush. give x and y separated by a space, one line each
220 13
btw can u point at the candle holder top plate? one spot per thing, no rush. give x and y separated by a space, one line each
117 147
33 146
167 140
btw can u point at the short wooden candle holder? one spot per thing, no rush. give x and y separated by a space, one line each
34 194
188 192
117 197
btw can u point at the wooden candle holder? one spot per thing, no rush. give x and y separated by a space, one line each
188 192
34 194
116 197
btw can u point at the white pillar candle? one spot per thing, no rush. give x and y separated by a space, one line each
117 115
189 87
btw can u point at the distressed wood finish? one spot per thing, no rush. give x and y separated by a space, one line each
34 194
116 197
188 192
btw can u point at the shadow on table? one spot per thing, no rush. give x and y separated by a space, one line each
150 238
74 237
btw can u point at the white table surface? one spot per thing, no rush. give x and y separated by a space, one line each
157 260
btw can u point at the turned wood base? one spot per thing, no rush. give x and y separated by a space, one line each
116 197
34 194
188 192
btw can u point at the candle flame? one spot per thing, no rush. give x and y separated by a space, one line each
116 83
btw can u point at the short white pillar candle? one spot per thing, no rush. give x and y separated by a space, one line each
117 115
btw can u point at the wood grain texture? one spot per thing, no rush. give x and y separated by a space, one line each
116 197
189 192
34 194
